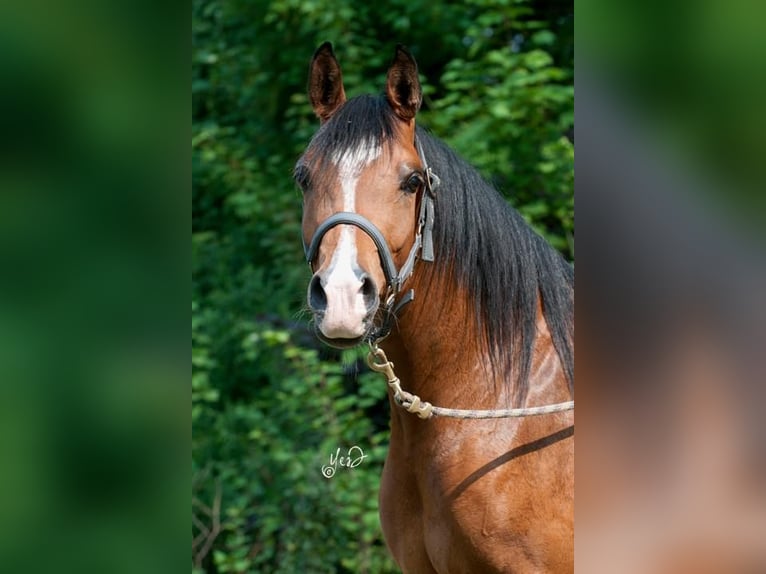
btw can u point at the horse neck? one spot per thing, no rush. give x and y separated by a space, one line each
438 355
436 347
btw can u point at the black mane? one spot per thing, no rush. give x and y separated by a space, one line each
482 243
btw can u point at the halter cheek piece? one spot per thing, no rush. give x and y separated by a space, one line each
423 245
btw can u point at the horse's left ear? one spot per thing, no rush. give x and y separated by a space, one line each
403 86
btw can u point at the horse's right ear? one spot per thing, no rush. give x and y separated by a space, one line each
326 91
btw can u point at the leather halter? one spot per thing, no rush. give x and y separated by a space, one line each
423 246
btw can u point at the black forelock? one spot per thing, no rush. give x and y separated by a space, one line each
361 120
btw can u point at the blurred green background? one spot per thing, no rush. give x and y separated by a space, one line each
269 405
94 258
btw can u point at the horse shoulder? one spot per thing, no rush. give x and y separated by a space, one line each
500 501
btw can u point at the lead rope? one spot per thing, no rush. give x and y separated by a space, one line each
425 410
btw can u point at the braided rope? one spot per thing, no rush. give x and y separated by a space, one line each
425 410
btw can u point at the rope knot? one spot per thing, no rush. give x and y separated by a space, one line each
423 409
409 402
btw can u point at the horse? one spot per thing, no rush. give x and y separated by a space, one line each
415 254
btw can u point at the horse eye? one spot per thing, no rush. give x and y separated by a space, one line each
302 177
413 183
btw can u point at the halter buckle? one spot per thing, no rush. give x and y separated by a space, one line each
433 181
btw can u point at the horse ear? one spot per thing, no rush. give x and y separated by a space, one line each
325 89
402 85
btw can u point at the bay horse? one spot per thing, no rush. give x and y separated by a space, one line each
415 254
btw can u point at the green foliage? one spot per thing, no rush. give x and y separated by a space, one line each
507 106
269 405
261 456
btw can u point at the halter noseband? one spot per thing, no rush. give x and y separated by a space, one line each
423 244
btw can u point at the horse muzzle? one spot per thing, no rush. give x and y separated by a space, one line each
344 304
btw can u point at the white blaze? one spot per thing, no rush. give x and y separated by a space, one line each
346 309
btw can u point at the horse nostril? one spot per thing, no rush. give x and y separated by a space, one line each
369 291
317 296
